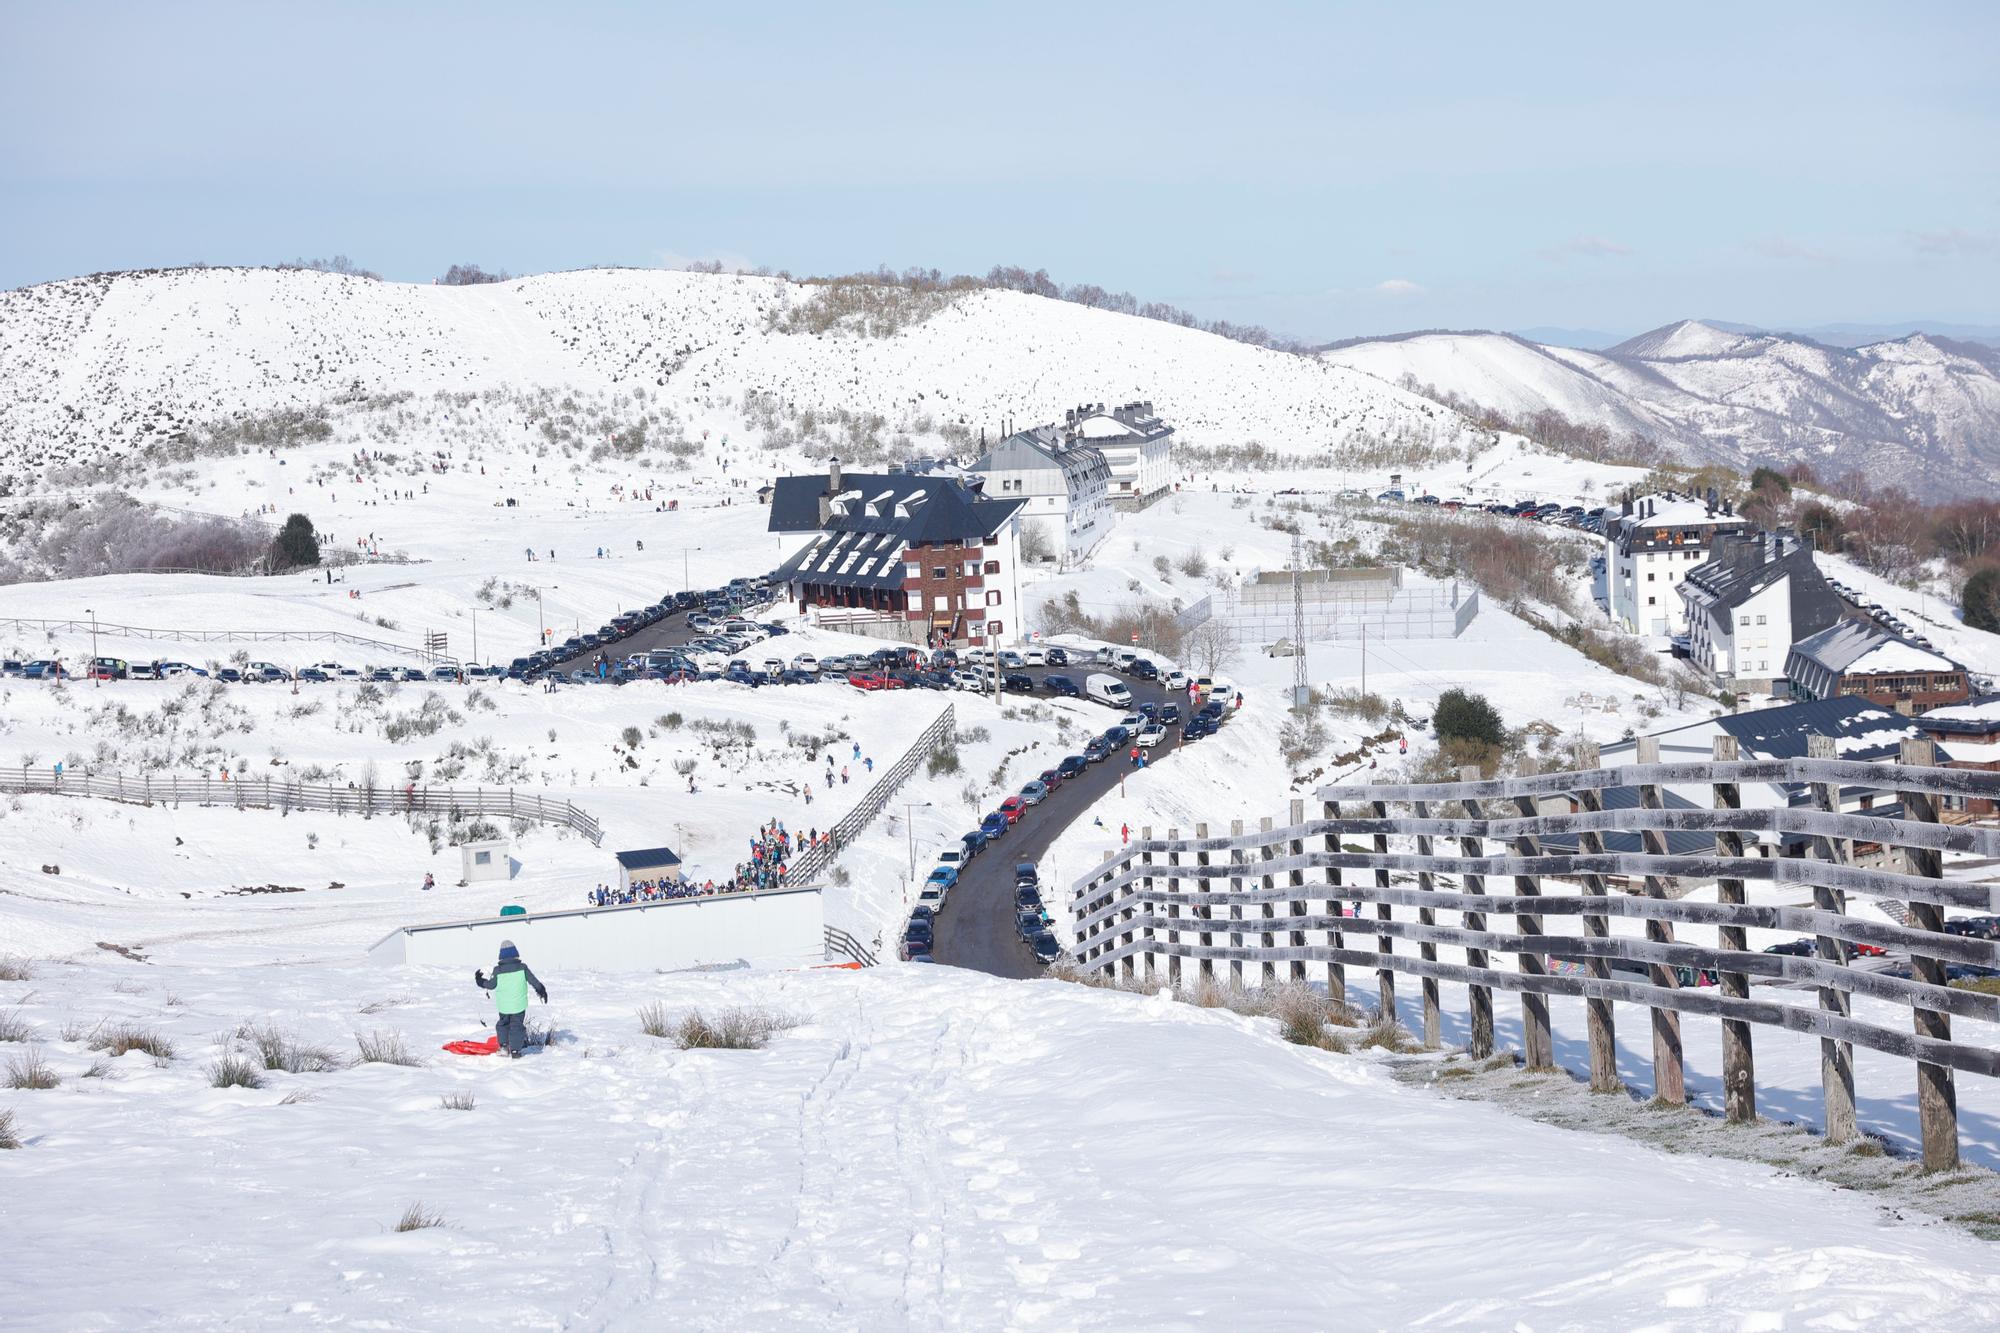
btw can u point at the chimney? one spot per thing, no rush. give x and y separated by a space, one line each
832 489
1625 507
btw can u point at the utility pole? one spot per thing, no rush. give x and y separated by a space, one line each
1301 692
93 648
1364 653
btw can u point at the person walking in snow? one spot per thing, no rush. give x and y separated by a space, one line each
510 983
430 881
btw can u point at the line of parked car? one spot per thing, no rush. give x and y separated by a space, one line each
715 613
1880 614
1536 511
118 668
1032 921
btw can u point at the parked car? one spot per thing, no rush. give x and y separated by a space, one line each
955 857
313 674
1175 680
1026 873
1799 948
1107 689
1051 778
868 680
1096 749
1072 765
1057 656
944 876
1027 898
1034 792
1013 808
994 825
930 897
1019 682
974 842
1045 948
1169 715
229 676
110 668
1029 924
1009 658
1061 685
1150 735
46 668
1144 670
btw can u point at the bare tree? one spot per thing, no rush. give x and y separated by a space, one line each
1211 646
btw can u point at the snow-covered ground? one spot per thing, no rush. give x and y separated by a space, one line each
928 1149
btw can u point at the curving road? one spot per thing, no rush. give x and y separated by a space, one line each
976 928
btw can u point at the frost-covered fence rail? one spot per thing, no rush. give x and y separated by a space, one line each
111 631
264 794
1267 905
805 869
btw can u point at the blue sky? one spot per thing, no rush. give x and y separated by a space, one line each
1325 169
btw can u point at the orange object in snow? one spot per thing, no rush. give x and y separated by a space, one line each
488 1047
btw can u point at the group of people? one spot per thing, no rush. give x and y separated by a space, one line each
649 891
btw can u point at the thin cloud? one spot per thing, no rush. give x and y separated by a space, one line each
1788 247
1587 247
1397 287
1233 277
1955 241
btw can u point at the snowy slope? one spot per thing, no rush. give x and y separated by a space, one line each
928 1150
91 367
1917 412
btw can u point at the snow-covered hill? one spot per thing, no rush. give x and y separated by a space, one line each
93 367
1920 412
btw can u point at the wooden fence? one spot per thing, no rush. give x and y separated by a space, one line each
807 867
265 794
109 630
1267 906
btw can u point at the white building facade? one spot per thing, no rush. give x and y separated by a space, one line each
1746 608
1650 549
1136 444
1063 483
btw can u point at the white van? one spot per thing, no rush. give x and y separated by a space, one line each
1108 690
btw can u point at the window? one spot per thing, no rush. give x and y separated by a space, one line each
1760 620
913 571
972 569
993 627
1649 576
993 599
940 573
992 566
482 858
1651 600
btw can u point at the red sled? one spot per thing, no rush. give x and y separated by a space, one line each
487 1047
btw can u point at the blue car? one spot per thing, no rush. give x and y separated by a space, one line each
944 877
993 825
972 842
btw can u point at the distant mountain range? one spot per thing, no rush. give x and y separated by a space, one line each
1833 335
1920 410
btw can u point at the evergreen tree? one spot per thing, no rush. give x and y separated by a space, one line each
296 544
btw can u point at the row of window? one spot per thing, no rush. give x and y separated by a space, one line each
972 568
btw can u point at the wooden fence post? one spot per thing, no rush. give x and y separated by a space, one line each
1336 971
1235 907
1173 908
1146 859
1537 1044
1836 1058
1479 999
1204 910
1269 909
1296 878
1937 1094
1596 926
1385 945
1427 949
1669 1070
1739 1068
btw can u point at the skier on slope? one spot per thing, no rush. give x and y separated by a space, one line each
510 983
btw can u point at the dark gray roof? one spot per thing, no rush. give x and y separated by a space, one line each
1744 565
1679 842
1964 726
648 858
848 560
1044 447
920 509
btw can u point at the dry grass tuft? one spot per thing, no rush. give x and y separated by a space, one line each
297 1095
1389 1035
384 1048
730 1029
234 1071
16 969
457 1101
653 1020
418 1218
29 1070
13 1027
9 1138
130 1037
283 1053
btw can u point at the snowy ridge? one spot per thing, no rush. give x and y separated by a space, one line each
92 367
1918 412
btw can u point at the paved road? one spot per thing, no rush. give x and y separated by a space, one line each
976 929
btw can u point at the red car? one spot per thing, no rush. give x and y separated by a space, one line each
1051 778
1013 807
868 680
1867 950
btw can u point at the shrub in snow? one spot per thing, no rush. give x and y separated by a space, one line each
13 1027
279 1051
234 1071
29 1070
9 1139
1464 716
130 1037
456 1101
384 1048
653 1020
730 1029
16 969
418 1218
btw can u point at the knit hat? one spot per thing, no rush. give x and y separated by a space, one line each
507 950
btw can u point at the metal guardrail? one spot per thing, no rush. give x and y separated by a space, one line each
840 944
105 627
803 869
265 794
1270 900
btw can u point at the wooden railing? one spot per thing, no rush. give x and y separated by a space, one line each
840 944
1267 906
804 869
266 794
114 631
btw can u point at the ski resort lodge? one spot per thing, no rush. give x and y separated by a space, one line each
1063 483
1745 608
1650 548
1857 657
1136 445
916 559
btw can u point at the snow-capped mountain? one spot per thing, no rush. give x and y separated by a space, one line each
1922 412
93 367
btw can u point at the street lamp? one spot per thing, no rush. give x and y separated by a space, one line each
910 830
687 585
